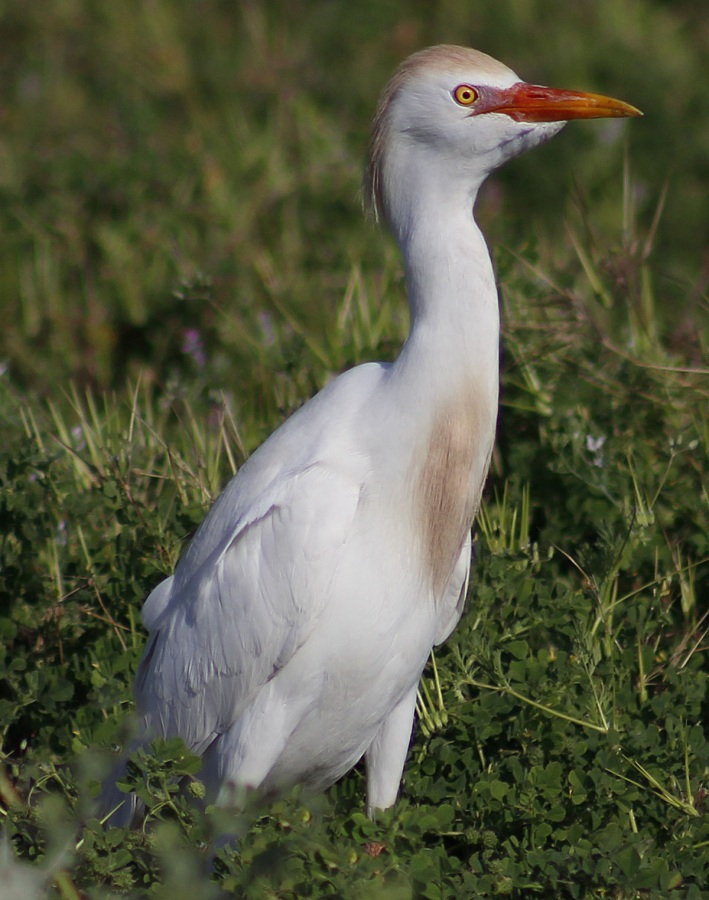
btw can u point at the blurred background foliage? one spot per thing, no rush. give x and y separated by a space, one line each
142 144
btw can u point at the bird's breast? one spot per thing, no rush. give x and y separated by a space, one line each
450 466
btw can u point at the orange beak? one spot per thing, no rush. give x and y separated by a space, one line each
533 103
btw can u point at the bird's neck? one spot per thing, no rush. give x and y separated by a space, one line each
454 341
446 378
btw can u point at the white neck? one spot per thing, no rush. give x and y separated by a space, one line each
455 321
444 385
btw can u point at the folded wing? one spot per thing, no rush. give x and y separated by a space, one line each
222 631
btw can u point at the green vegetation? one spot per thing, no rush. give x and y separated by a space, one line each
183 262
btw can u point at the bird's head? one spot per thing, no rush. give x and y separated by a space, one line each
451 115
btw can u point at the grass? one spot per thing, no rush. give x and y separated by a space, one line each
183 264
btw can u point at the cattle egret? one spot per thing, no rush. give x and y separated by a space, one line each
290 640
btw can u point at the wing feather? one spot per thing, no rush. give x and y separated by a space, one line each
220 632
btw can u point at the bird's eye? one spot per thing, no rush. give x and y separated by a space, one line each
465 95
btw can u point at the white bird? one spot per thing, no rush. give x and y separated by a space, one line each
291 638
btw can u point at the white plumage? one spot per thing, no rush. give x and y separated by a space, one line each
291 638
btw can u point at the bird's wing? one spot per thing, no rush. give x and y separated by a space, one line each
453 600
223 630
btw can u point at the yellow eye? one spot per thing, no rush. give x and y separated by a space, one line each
465 95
